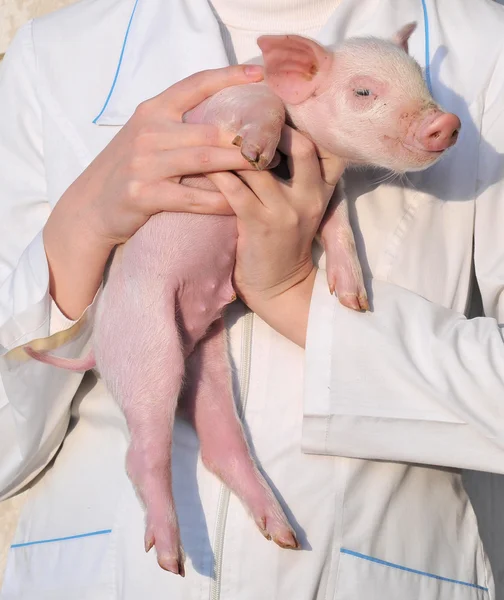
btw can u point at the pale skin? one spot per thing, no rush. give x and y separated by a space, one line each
138 174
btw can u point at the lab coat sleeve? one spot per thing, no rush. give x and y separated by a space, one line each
413 381
34 399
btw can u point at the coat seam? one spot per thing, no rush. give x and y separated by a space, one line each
336 552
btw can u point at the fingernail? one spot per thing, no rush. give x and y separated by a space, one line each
253 70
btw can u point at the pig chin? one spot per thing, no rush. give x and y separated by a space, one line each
399 157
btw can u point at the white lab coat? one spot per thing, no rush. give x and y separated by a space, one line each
412 384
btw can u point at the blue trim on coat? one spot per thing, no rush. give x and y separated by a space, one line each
385 563
427 45
126 35
62 539
118 64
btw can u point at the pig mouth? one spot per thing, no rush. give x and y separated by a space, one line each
423 151
417 150
423 158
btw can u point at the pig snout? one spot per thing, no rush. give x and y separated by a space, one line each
437 132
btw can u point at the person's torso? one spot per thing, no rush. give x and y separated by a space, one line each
368 530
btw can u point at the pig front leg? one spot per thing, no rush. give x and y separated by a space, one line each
209 405
252 113
344 272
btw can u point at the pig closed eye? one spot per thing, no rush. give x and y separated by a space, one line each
362 92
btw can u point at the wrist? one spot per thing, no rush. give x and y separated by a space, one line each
287 312
76 258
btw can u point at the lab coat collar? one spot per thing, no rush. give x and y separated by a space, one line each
165 41
168 40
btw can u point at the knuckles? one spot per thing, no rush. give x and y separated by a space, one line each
234 187
304 149
190 198
134 189
316 208
203 157
144 110
136 163
291 219
211 135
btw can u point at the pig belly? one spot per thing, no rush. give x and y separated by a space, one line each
183 259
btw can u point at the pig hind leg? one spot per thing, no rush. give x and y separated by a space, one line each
209 404
143 367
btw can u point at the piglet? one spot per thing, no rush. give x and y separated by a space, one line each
159 319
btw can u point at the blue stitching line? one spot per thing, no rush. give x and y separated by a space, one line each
427 46
118 64
400 567
63 539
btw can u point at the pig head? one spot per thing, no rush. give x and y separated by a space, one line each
365 101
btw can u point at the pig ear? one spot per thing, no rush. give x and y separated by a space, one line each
294 66
403 35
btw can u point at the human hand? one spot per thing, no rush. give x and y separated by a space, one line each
138 173
135 176
277 222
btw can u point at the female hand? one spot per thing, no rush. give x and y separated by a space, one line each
135 176
138 173
277 222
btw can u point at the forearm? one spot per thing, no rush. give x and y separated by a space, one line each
76 256
288 312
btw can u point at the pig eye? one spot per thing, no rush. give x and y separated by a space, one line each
362 92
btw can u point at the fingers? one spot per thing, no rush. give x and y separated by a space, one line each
181 135
306 164
245 204
194 161
331 167
265 187
193 90
183 161
302 157
175 197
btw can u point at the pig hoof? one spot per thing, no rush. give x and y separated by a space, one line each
170 555
252 155
258 146
354 301
149 543
259 161
249 153
171 564
287 541
280 533
363 302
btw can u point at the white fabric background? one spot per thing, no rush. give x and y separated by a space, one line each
487 491
14 13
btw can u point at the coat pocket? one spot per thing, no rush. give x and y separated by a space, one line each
366 577
67 568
